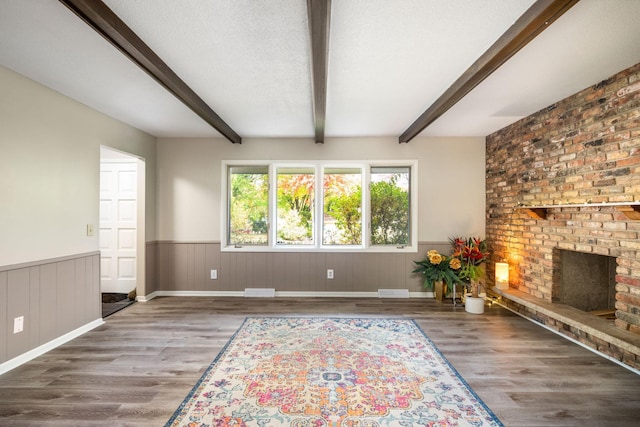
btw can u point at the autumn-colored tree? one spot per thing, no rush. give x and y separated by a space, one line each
295 207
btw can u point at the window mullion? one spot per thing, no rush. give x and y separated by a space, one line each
273 212
319 208
366 206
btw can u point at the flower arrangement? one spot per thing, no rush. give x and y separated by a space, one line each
472 253
437 267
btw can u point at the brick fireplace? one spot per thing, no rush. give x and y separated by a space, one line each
567 178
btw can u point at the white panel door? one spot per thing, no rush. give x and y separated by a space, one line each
118 215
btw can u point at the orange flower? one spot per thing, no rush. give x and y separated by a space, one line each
435 257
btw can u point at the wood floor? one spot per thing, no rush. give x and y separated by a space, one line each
137 368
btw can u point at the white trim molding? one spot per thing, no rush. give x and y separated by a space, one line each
278 294
46 347
318 168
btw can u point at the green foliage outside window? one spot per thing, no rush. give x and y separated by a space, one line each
389 212
248 207
346 210
342 211
342 207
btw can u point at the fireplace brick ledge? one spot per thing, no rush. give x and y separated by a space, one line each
631 210
584 327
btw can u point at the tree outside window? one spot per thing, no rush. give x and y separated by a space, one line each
248 205
295 203
389 190
342 222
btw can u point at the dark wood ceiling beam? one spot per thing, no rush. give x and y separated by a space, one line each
103 20
535 20
319 12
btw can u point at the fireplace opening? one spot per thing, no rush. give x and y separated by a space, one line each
587 282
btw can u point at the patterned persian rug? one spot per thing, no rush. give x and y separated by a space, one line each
316 372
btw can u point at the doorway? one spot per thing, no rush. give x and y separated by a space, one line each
121 230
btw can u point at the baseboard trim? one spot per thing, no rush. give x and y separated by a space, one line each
145 298
422 295
44 348
281 294
393 293
310 294
155 294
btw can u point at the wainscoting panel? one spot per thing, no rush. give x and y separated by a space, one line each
151 272
4 328
184 266
48 304
18 288
54 296
34 301
65 285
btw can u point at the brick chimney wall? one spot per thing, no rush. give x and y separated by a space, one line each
583 149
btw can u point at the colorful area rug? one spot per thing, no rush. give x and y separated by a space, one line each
316 372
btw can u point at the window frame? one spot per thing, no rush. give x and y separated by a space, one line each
273 198
319 167
226 220
364 214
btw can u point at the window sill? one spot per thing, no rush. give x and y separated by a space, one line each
307 249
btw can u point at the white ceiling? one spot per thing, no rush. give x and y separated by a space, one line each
249 60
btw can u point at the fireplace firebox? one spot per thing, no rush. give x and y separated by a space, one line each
586 281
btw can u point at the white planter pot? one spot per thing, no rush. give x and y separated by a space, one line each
474 305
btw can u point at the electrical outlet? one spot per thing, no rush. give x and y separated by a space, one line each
214 274
18 324
329 274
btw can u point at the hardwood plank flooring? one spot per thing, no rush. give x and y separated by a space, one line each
138 367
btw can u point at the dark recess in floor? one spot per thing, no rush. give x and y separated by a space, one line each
113 302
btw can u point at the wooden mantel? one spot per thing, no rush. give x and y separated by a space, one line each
630 209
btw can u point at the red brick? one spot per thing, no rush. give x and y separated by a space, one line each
578 152
631 281
628 299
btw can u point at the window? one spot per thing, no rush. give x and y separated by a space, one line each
342 207
318 206
248 198
295 204
390 211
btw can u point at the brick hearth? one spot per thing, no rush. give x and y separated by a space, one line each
583 150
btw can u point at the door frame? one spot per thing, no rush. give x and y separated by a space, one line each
140 213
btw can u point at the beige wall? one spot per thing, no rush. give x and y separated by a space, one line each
49 192
451 179
49 171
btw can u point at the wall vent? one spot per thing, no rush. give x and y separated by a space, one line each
393 293
259 292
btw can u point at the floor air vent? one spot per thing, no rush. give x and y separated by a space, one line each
259 292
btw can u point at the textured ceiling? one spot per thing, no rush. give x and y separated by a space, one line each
250 62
